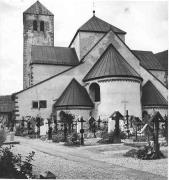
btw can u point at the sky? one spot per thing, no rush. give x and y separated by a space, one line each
146 24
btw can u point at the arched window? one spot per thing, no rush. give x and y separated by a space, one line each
35 25
42 26
94 91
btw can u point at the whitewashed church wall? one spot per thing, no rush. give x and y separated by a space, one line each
113 97
162 111
76 45
87 41
41 72
147 76
52 89
159 75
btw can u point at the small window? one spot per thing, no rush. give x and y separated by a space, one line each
35 26
35 104
42 104
42 26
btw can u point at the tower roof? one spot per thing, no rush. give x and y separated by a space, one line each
151 96
74 95
38 8
111 64
94 24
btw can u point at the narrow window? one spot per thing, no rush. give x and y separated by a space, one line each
94 91
35 26
42 26
35 104
42 104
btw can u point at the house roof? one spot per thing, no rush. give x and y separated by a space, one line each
151 96
111 64
148 60
38 8
163 59
6 104
74 95
54 55
95 24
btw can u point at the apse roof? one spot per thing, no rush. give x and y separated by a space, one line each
148 60
111 64
95 24
163 59
151 96
74 95
54 55
38 8
6 104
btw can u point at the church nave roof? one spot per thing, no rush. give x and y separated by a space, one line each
54 55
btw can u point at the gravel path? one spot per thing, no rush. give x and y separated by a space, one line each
80 162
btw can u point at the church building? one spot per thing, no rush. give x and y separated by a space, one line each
96 74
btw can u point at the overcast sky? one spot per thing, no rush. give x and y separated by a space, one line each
145 22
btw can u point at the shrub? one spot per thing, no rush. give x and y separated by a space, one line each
73 139
2 137
12 166
59 137
19 131
145 153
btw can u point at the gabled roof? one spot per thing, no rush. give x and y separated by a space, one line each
54 55
151 96
163 59
38 8
148 60
111 64
94 24
74 95
6 104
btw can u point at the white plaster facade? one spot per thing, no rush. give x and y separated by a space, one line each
40 72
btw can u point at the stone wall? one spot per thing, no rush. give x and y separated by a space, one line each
40 72
32 37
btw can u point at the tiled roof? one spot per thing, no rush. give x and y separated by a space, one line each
148 60
74 95
6 104
151 96
38 8
111 64
163 59
95 24
54 55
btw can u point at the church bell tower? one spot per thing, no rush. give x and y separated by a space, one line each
38 24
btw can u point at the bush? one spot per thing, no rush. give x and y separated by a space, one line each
12 166
19 131
59 137
145 153
73 139
2 137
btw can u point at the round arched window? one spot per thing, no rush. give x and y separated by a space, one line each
94 91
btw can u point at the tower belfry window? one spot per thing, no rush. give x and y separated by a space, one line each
35 25
42 26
